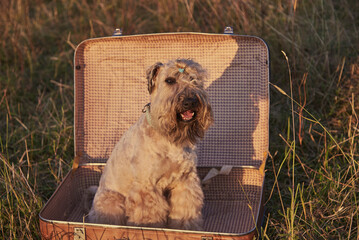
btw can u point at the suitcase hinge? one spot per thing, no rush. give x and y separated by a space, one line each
228 30
79 234
117 32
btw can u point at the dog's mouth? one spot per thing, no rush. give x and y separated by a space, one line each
187 116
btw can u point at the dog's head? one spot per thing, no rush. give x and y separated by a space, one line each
179 103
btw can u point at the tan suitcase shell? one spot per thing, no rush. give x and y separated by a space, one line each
110 92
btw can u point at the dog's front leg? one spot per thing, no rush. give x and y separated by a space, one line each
108 208
186 201
146 206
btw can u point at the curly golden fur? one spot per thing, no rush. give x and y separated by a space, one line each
150 178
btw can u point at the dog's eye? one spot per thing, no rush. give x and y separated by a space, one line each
193 80
170 80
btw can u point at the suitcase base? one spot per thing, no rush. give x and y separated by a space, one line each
231 209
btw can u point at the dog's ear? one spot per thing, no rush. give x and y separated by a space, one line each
151 75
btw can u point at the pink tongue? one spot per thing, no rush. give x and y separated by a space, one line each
187 114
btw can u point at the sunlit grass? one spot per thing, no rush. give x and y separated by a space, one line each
312 174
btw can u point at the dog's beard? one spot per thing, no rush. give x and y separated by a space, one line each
186 125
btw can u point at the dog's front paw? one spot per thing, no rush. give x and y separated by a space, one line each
146 207
190 224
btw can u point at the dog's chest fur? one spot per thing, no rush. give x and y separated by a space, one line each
144 156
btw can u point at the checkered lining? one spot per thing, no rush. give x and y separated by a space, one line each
111 90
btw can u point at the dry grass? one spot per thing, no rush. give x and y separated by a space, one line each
312 175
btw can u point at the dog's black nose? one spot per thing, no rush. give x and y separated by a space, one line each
190 102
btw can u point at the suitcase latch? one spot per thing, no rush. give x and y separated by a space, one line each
79 234
206 238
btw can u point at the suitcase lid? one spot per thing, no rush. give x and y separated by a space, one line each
111 91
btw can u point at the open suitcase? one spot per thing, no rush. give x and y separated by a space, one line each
111 91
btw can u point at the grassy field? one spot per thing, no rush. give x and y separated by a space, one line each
312 176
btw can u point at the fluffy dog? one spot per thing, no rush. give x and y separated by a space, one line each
150 178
